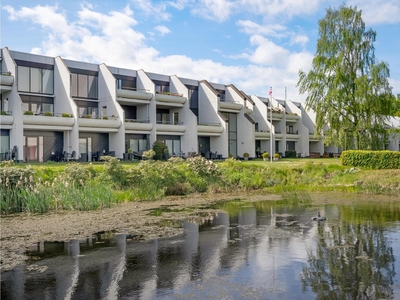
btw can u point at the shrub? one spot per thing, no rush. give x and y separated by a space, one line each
290 153
201 166
105 118
66 115
88 116
28 113
159 148
276 155
3 113
246 154
371 159
149 154
48 114
130 150
265 155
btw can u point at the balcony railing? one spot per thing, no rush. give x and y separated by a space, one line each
209 124
47 114
169 122
97 117
137 121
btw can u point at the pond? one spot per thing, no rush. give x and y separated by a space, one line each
261 250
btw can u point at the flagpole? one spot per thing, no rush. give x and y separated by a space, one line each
270 115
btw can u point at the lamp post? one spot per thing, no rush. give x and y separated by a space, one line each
270 115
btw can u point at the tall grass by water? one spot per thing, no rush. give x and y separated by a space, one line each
75 186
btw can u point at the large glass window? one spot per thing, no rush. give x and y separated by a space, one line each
84 86
162 87
194 99
87 109
35 80
37 105
173 142
126 82
163 116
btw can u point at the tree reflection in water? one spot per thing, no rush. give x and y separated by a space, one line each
353 258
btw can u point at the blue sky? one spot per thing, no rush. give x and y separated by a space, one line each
253 44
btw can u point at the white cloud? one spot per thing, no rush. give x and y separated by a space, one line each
250 27
163 30
158 10
300 39
217 10
377 11
267 52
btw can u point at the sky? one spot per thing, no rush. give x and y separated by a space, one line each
253 44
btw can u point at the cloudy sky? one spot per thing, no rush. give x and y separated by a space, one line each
253 44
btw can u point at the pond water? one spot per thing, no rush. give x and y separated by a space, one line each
263 250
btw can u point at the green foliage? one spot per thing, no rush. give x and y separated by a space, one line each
265 155
48 114
290 153
149 154
159 148
246 154
276 155
66 115
3 113
371 159
28 113
347 87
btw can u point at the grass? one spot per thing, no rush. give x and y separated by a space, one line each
42 187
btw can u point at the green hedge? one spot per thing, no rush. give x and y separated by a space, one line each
371 159
290 153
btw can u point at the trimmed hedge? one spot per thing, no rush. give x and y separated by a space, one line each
290 153
371 159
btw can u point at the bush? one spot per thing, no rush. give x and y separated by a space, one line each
246 154
265 155
66 115
28 113
3 113
290 153
159 148
276 155
371 159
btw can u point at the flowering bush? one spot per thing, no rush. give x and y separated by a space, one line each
149 154
202 166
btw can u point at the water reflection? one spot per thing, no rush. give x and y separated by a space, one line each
258 251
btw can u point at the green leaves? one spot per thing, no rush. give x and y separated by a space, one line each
346 86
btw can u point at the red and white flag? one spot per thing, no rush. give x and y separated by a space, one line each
270 90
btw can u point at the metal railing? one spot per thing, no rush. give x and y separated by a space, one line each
170 122
97 117
137 120
47 114
209 124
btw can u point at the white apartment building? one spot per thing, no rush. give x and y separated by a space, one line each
51 105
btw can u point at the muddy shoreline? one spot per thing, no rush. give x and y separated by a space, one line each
21 231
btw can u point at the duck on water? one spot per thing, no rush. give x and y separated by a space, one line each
318 218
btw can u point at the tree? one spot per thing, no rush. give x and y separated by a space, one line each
347 87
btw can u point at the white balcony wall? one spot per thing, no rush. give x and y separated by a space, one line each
108 98
245 129
65 104
304 141
189 142
145 83
262 117
14 105
208 113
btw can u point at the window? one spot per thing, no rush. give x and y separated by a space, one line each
194 99
163 116
87 109
162 87
36 104
35 80
126 82
84 85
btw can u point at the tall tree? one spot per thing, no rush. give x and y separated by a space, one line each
347 87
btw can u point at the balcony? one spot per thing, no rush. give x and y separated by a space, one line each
292 117
313 138
48 121
137 126
290 136
6 119
170 128
6 83
230 106
209 129
90 123
277 114
129 97
170 99
262 135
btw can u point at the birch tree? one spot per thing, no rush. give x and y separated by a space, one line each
347 86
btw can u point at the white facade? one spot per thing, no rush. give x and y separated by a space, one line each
52 105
